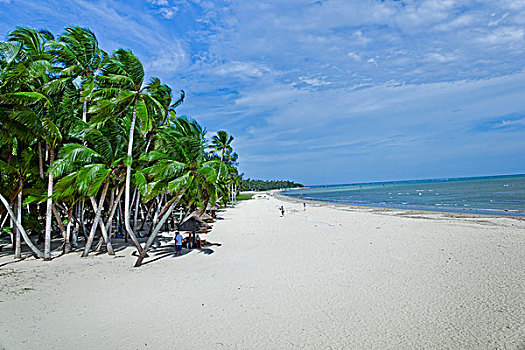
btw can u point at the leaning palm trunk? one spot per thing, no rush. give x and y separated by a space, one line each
128 180
168 209
156 216
49 204
110 218
21 229
95 222
18 250
103 230
148 214
113 210
59 220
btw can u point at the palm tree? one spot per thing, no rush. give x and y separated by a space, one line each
222 143
78 51
180 169
30 244
91 167
122 82
32 106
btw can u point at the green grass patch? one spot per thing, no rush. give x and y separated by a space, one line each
244 197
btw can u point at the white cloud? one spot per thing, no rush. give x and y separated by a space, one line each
497 21
168 59
503 35
168 12
313 81
241 69
354 56
159 2
438 57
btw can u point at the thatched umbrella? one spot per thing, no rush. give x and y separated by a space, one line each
193 223
203 215
212 209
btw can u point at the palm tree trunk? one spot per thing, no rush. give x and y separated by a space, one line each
59 220
82 222
105 238
109 221
40 162
156 216
67 244
84 109
95 222
128 179
166 213
47 235
219 173
18 250
148 213
136 213
20 228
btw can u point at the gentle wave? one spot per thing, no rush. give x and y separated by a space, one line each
492 195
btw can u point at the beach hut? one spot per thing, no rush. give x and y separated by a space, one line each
202 215
193 223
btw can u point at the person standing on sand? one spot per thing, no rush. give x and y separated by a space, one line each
178 243
304 206
282 210
198 240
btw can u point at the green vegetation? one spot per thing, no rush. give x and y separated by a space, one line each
262 185
244 197
89 149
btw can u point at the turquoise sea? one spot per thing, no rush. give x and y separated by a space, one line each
501 195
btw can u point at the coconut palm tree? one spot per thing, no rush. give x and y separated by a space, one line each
35 100
78 52
222 143
122 88
91 167
179 170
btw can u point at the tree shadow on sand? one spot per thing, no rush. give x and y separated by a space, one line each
167 250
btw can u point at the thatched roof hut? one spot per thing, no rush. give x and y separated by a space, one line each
193 223
203 215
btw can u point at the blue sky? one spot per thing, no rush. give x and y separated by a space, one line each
326 92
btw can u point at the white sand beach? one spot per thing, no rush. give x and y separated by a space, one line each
325 277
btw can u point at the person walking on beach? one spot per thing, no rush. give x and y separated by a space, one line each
304 206
178 243
282 210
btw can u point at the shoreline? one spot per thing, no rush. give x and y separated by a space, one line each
408 211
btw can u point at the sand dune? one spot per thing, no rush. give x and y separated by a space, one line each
326 277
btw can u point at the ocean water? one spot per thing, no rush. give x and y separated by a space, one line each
501 195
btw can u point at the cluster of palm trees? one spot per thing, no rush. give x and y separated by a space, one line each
87 146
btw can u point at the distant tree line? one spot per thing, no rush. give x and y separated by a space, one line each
265 185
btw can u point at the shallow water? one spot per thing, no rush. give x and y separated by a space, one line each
492 194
